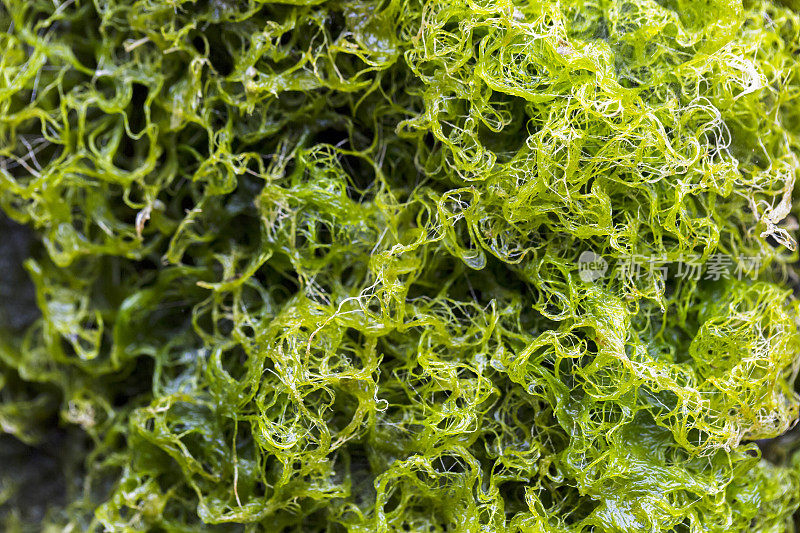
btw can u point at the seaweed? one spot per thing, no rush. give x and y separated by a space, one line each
321 265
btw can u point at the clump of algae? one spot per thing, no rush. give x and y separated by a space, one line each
314 265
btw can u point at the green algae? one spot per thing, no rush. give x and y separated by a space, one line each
315 265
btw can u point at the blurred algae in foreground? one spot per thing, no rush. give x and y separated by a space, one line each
315 265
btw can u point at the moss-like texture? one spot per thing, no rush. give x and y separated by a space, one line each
315 265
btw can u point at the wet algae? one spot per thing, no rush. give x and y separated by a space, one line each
316 265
